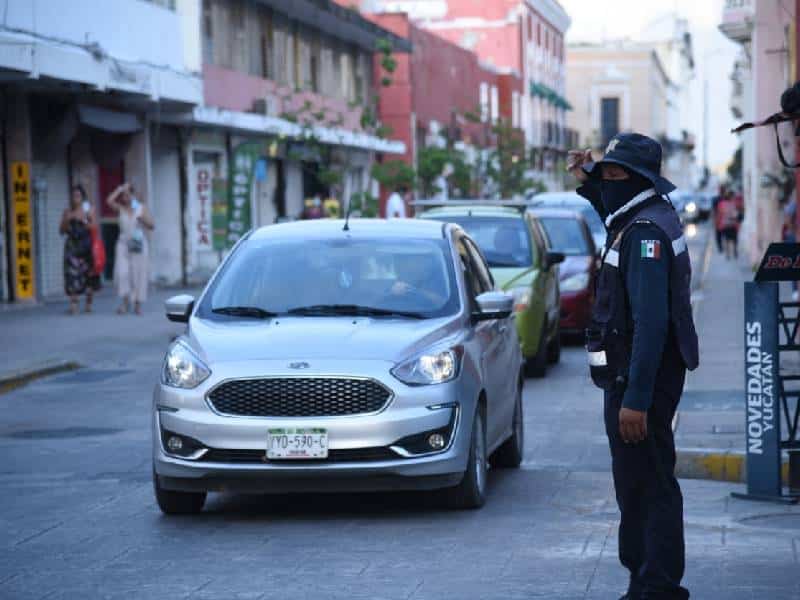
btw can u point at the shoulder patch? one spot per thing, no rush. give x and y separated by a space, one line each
650 249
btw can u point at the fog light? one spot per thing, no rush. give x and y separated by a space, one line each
436 441
174 443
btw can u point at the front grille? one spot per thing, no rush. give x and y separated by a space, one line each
299 397
259 456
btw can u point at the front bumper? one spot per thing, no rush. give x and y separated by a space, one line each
412 410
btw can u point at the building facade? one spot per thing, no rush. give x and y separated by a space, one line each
443 95
224 115
766 66
524 38
81 93
625 86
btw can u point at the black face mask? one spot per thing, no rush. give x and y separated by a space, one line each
615 193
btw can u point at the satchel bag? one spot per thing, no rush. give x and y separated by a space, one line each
98 251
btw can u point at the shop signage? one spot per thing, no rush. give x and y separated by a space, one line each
781 262
762 389
240 184
22 230
219 212
202 229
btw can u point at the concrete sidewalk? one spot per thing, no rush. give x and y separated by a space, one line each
44 338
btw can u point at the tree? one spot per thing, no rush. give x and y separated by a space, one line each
507 164
394 174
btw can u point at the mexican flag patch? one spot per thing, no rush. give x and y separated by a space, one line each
651 249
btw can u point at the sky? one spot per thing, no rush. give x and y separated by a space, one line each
595 20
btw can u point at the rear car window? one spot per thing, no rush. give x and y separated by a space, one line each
566 235
505 242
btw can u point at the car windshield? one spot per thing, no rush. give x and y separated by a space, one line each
372 277
566 235
505 242
594 221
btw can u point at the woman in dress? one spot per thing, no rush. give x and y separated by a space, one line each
79 272
130 265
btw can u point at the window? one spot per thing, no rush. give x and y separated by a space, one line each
484 98
479 265
514 109
566 235
470 273
609 119
505 242
538 34
208 34
530 27
495 107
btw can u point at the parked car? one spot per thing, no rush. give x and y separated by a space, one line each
322 358
573 201
569 234
521 263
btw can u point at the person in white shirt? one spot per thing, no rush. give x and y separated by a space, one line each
395 206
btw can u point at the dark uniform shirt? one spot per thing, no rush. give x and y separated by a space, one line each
646 273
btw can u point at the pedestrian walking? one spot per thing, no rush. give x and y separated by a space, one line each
395 205
131 264
641 342
728 223
717 223
80 277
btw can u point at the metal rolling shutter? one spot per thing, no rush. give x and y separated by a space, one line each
51 194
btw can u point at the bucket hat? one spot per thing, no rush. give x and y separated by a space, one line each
637 153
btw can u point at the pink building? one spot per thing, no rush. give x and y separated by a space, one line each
520 37
435 86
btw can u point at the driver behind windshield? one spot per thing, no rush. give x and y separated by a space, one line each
417 278
507 245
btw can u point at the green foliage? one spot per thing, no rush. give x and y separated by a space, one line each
364 204
289 116
384 131
394 174
474 115
386 81
330 177
431 164
507 164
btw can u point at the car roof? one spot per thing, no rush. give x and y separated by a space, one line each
557 213
471 210
358 228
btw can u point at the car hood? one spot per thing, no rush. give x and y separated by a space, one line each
509 277
357 338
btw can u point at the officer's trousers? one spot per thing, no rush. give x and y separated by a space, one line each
651 542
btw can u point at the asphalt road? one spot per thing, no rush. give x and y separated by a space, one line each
78 519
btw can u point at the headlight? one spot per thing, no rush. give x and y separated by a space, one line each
182 368
575 283
522 298
691 207
430 368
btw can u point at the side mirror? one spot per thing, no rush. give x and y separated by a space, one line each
554 258
494 305
179 308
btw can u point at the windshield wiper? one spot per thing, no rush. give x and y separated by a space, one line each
244 311
352 309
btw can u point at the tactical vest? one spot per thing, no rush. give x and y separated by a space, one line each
610 335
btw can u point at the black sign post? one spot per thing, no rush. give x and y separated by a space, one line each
761 389
770 327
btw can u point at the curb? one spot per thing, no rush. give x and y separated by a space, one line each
717 465
14 379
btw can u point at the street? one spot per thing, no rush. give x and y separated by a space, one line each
79 519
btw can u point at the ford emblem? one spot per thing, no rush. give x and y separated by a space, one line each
299 365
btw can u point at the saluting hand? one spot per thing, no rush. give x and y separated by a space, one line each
632 425
575 160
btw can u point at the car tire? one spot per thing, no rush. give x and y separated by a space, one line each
554 349
178 503
536 366
471 492
510 454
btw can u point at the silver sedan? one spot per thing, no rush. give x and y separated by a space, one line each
323 357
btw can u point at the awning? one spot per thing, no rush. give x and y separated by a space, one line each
110 121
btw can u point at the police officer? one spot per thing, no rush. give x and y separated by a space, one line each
641 342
